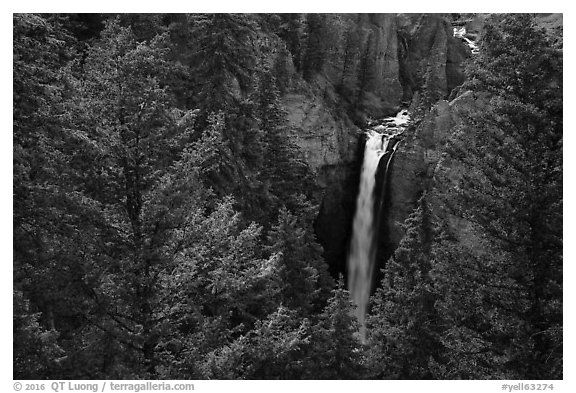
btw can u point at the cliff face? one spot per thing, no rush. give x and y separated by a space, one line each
420 165
376 66
436 59
433 57
363 64
406 53
325 139
414 166
449 172
329 144
383 87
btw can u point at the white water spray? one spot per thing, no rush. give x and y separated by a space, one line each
460 32
362 247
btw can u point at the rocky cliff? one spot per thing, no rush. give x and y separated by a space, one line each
383 88
422 166
432 58
329 143
414 166
376 67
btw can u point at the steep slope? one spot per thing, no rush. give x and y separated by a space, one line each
375 65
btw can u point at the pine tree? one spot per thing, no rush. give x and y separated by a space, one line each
47 231
224 56
212 154
219 288
508 149
39 92
274 349
303 274
36 352
316 46
481 305
144 26
336 351
126 124
404 325
292 32
283 170
282 70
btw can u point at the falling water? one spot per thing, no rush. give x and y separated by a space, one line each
461 33
362 247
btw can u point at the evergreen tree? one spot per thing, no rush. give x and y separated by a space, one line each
292 32
509 150
283 170
404 325
482 307
219 288
40 89
274 349
282 70
303 274
129 137
316 45
211 153
224 59
36 352
135 254
336 352
47 231
144 26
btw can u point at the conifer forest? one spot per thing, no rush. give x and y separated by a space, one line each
287 196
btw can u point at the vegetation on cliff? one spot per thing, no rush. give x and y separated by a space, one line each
163 215
474 290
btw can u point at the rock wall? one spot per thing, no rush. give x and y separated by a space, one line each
448 173
384 86
433 57
325 139
329 144
421 165
399 51
414 166
363 63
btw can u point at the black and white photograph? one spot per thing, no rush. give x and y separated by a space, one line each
287 196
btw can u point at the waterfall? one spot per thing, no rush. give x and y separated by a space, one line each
362 250
362 246
460 32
